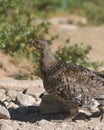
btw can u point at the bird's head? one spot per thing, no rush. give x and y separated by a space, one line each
39 44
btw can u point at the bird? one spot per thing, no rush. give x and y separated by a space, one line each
73 85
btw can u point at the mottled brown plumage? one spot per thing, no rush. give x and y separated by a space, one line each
73 85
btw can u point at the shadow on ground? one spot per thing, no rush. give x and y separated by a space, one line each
33 114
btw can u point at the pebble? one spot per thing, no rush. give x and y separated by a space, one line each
25 100
2 95
2 92
42 122
3 98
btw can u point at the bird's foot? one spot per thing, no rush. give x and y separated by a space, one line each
101 118
101 108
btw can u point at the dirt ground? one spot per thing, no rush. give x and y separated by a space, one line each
93 36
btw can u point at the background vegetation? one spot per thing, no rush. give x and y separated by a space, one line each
18 24
20 9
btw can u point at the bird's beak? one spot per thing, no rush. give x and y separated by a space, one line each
31 48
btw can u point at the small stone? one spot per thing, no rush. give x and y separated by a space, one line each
3 98
35 92
49 104
42 122
2 92
25 100
12 94
5 126
4 113
12 105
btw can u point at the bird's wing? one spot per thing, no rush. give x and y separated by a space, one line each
72 80
85 77
88 80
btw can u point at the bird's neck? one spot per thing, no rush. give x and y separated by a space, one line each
47 58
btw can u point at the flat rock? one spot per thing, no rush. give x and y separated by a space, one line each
4 113
19 84
25 100
34 91
49 104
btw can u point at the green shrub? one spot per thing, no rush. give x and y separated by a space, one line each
91 9
18 25
94 11
20 9
77 54
14 38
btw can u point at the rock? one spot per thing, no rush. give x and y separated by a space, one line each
50 105
5 126
34 91
19 84
42 122
4 113
3 98
12 94
25 100
11 105
2 92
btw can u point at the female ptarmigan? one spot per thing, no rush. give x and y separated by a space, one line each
73 85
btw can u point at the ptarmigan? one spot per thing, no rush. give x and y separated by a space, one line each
73 85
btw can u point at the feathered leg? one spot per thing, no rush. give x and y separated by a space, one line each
73 110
